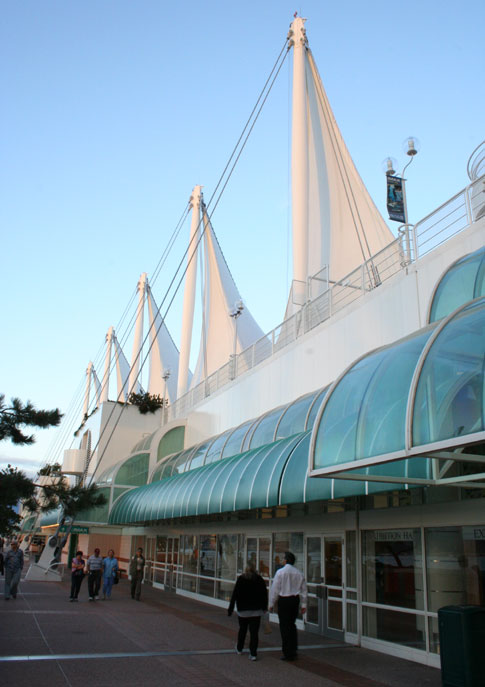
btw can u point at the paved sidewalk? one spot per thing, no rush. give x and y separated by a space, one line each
166 638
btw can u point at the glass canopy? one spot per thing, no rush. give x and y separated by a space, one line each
461 283
419 398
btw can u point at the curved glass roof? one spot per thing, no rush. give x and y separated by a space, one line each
270 475
461 283
419 397
279 423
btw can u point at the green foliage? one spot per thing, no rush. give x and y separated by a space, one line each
15 486
147 403
15 417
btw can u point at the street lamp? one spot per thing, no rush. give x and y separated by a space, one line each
396 184
234 313
165 377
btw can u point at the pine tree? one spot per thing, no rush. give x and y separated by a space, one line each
15 417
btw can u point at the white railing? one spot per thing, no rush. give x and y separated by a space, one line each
412 243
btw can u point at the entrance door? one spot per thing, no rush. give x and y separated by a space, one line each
259 554
166 566
325 575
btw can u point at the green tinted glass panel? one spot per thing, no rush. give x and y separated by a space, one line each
463 282
134 471
366 413
171 442
316 407
232 484
449 397
199 454
267 477
337 430
215 449
117 491
213 498
202 479
98 514
293 419
248 478
235 441
181 462
158 472
265 430
294 474
382 419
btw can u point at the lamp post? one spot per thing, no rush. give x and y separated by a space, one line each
165 377
234 313
396 190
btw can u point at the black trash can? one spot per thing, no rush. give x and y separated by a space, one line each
462 645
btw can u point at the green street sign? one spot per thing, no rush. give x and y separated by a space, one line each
75 529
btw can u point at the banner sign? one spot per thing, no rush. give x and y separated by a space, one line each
75 529
395 199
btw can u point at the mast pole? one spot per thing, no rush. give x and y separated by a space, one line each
299 159
107 365
189 294
89 372
137 341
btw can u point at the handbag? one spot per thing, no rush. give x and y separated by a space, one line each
267 629
116 579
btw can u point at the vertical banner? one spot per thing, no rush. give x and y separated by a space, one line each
395 199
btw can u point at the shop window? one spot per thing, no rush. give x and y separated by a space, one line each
407 629
189 554
455 562
288 541
392 568
226 565
207 564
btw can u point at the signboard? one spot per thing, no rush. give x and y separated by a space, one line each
394 535
75 529
395 199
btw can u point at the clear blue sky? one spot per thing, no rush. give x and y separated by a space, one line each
113 110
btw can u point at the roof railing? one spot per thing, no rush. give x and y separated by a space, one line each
327 298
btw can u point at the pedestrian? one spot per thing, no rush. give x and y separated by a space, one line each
110 571
288 591
77 575
95 570
13 564
137 566
250 596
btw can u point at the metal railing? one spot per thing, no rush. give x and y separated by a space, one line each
413 242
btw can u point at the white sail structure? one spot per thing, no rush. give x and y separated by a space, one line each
336 225
164 355
189 293
91 379
223 334
123 377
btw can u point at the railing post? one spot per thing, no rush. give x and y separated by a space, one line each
415 241
469 214
362 277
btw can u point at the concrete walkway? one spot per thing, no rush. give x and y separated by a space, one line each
47 641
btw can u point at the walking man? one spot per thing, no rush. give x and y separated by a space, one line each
95 570
13 563
288 591
137 566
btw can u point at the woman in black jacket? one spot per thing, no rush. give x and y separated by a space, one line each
251 599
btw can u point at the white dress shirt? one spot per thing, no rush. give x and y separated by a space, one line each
288 581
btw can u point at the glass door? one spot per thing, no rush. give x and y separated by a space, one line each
325 575
258 553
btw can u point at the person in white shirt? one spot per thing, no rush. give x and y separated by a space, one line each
288 591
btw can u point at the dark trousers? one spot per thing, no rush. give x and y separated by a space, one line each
253 623
136 581
76 581
287 614
94 582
